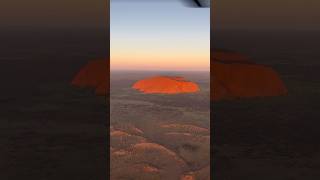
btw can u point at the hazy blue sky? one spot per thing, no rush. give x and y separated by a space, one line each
163 35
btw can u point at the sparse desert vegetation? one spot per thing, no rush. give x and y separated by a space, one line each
159 137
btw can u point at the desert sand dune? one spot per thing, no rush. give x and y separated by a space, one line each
188 177
193 149
187 137
121 139
187 128
150 169
150 148
146 161
201 174
120 152
129 128
135 172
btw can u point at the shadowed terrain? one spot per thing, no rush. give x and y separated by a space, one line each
50 130
275 137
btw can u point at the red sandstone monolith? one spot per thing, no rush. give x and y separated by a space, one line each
165 85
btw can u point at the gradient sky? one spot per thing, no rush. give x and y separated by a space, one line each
159 36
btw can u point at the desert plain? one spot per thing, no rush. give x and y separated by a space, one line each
157 135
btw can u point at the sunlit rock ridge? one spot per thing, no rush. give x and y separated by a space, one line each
166 85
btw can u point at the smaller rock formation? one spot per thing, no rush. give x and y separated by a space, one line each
166 85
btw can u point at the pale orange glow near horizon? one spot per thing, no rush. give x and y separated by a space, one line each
185 55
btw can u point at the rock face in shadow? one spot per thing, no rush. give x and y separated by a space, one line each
166 85
234 76
95 75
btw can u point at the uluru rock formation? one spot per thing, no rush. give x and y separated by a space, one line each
234 76
166 85
95 74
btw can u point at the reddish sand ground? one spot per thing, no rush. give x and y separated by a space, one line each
132 158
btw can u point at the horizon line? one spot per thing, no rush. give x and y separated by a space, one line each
157 70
